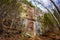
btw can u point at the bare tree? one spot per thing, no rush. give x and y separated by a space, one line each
49 12
55 6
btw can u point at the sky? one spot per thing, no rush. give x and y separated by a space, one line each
46 3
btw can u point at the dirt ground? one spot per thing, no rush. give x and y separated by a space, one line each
41 37
17 37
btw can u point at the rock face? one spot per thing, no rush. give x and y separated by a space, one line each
1 29
7 24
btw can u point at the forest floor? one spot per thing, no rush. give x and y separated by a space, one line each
50 36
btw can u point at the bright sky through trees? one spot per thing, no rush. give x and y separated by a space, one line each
46 3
